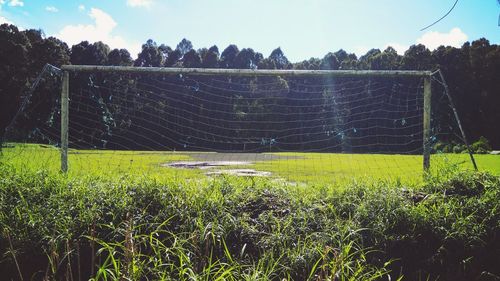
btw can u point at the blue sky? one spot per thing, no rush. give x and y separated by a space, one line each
302 28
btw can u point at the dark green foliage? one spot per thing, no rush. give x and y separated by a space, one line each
210 59
471 72
89 54
242 227
481 146
459 148
330 61
278 59
150 55
228 56
119 57
191 59
417 57
184 46
22 56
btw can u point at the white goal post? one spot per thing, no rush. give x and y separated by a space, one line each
67 69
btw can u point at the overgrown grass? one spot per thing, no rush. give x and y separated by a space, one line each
138 228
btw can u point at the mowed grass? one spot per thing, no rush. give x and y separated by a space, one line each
97 163
327 168
309 168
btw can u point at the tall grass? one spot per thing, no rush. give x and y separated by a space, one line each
56 227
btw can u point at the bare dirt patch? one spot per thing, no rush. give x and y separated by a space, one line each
216 168
240 173
204 164
218 163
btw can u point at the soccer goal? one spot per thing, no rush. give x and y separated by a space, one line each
250 111
295 125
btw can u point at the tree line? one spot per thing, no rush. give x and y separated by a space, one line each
471 71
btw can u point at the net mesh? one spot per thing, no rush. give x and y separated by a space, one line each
295 129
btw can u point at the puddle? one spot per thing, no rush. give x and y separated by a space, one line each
213 168
204 164
240 173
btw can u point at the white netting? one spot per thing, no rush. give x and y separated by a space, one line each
292 128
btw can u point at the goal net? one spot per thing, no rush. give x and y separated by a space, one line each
289 125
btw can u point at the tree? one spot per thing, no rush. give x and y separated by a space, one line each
365 60
23 56
330 62
14 58
165 51
119 57
34 35
50 50
173 58
247 58
191 59
279 59
312 64
478 51
228 56
417 57
386 60
89 54
210 58
150 56
347 61
454 64
184 46
485 62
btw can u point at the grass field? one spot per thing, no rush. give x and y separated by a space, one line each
123 215
310 168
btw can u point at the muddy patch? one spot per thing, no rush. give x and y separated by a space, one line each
216 168
227 163
240 173
204 164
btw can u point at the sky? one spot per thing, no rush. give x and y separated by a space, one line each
302 28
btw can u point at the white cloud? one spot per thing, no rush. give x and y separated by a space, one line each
15 3
51 9
4 20
100 30
81 7
139 3
434 39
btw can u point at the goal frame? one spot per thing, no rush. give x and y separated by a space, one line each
67 69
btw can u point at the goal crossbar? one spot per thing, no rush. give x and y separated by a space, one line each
246 72
67 69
